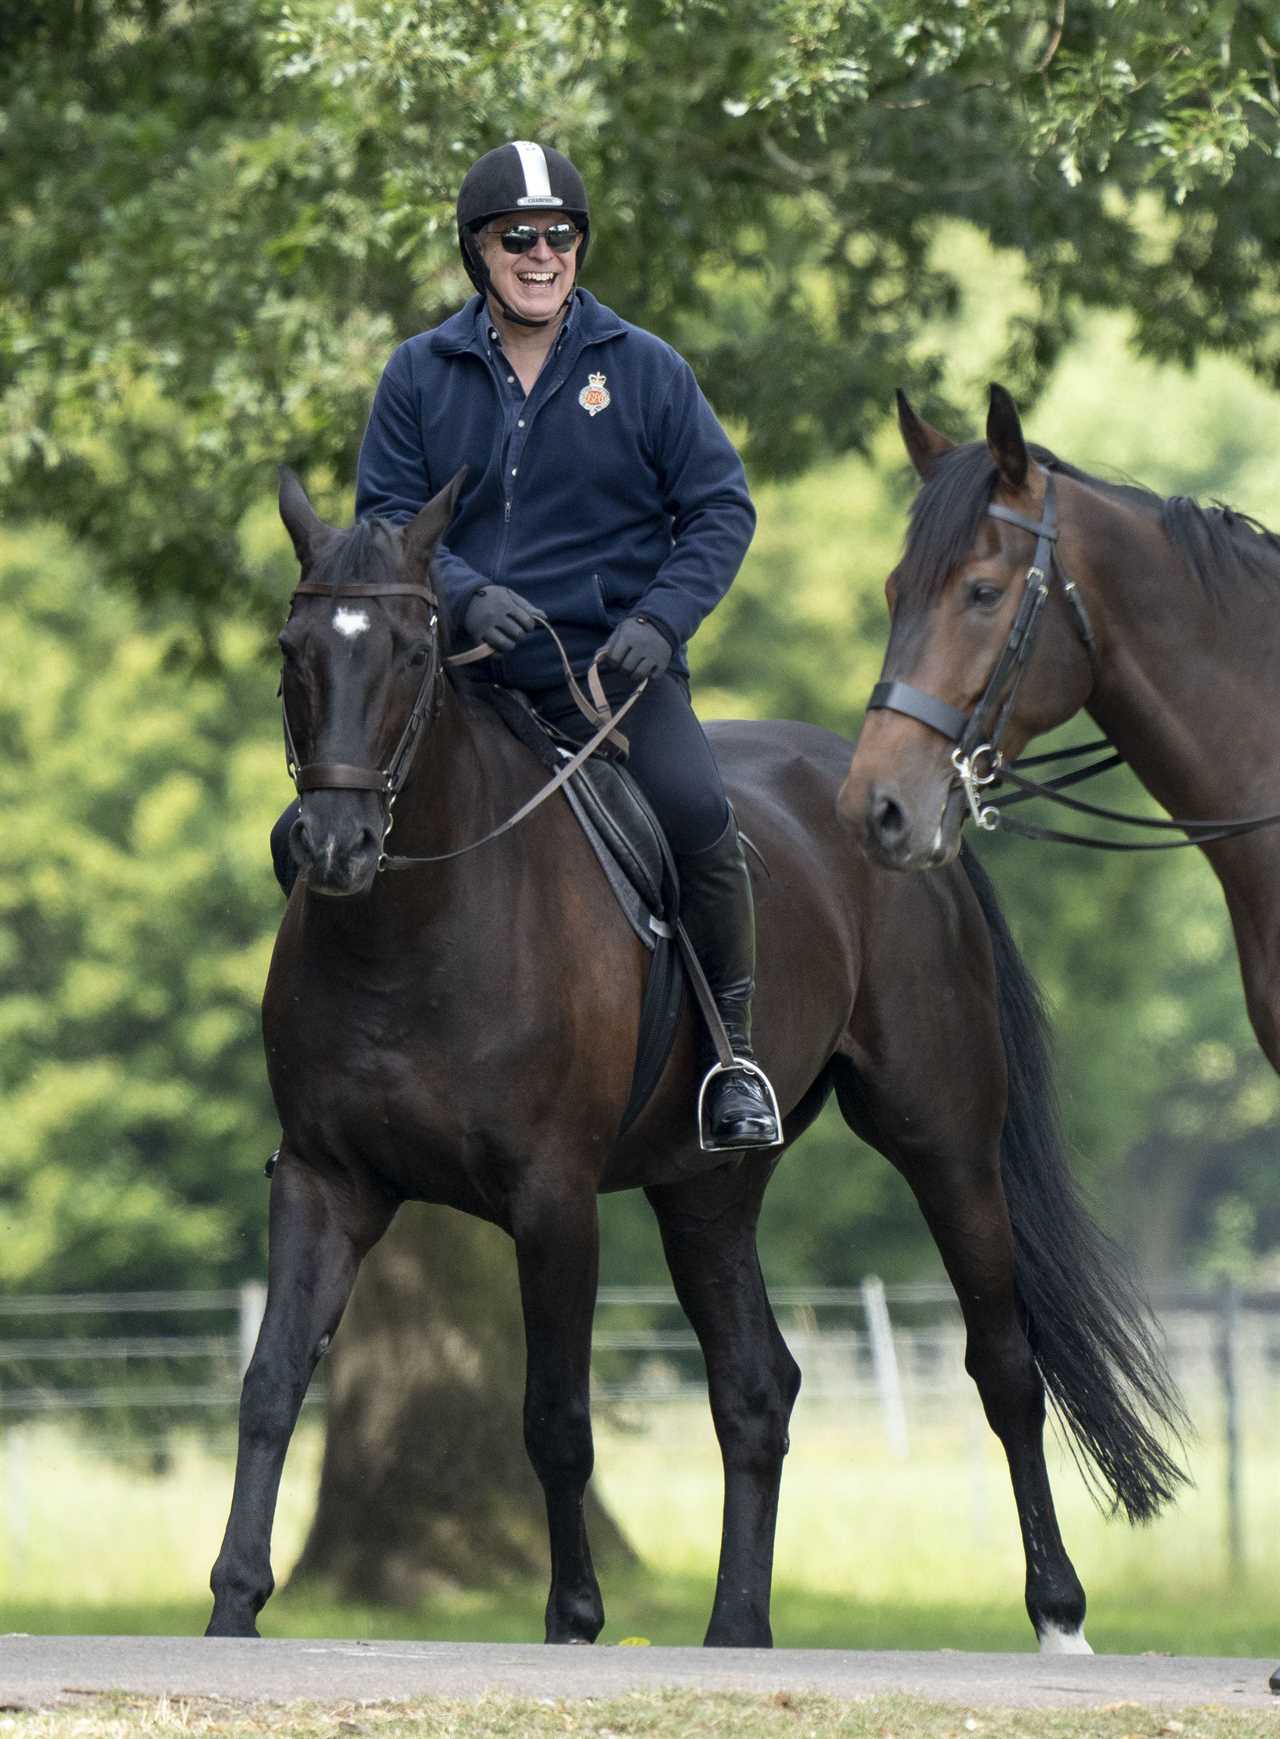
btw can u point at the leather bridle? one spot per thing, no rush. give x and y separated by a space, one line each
977 735
977 757
387 781
341 775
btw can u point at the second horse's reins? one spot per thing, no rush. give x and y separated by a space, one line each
977 757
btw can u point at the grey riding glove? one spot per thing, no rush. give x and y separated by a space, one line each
499 617
638 649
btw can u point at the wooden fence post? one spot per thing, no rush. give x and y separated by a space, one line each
884 1360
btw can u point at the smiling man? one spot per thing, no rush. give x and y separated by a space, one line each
602 495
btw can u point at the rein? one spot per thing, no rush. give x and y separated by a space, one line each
977 757
388 780
1197 832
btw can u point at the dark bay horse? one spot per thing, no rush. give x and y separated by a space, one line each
1160 617
463 1032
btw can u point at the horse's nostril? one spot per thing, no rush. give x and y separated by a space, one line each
300 841
887 821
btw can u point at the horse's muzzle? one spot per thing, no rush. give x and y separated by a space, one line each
340 861
898 829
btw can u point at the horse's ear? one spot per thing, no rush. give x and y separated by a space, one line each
302 522
1005 438
925 446
422 534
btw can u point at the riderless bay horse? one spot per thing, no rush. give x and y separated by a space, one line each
463 1031
1159 617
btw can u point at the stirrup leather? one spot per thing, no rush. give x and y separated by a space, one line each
751 1068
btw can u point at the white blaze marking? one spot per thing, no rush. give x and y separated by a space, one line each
351 622
1055 1641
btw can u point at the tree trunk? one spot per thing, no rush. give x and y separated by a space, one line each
1159 1185
425 1483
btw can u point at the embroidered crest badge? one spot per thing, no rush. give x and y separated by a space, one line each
595 396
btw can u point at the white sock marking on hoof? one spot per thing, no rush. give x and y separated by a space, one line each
350 622
1056 1641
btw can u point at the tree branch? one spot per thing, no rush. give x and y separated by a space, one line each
1055 40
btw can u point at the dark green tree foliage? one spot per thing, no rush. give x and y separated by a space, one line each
215 221
136 916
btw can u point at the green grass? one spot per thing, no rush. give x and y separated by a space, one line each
644 1715
873 1552
672 1611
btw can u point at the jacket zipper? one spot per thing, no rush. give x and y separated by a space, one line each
500 565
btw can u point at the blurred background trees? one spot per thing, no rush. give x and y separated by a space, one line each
216 222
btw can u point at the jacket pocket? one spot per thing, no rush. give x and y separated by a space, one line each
608 614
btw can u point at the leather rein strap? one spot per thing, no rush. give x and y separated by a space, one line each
387 781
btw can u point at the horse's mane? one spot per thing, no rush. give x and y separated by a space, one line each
370 551
1218 544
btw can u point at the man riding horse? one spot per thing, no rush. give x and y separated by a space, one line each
603 497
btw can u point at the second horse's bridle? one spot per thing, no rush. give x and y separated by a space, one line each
977 757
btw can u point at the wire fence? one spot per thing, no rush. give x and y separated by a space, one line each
143 1364
901 1347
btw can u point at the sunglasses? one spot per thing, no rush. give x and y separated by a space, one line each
521 238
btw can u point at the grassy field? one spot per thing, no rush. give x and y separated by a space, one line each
656 1715
873 1551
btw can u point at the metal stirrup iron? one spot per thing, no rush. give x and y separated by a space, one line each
748 1067
726 1061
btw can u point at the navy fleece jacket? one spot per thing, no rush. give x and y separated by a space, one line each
610 491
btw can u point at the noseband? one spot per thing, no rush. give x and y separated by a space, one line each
976 757
387 780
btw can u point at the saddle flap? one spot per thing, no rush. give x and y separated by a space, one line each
630 830
614 814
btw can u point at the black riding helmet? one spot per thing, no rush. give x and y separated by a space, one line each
521 176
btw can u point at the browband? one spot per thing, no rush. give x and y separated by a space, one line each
370 589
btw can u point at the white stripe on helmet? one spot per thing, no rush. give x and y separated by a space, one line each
537 179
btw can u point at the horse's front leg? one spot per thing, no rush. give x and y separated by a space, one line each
320 1230
557 1249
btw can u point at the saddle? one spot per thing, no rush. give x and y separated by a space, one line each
632 851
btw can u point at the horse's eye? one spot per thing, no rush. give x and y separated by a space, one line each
984 596
418 657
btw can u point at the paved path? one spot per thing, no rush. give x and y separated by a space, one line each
38 1671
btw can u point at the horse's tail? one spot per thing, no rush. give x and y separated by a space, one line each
1092 1333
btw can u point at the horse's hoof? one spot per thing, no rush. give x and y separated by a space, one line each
215 1628
1056 1641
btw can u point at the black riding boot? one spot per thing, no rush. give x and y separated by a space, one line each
716 908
